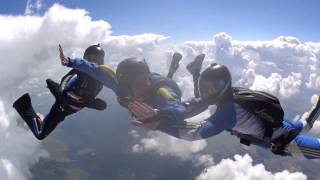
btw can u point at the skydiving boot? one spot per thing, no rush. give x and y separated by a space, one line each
194 67
313 114
176 58
24 108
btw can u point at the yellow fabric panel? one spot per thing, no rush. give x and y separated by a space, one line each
108 70
165 93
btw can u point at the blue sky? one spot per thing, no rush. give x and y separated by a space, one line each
199 19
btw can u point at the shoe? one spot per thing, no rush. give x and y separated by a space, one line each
195 66
176 58
23 103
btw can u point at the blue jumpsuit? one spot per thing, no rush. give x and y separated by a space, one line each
230 116
75 92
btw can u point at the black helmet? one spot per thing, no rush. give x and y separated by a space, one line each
215 83
131 68
128 71
94 53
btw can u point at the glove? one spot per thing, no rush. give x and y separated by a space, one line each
97 104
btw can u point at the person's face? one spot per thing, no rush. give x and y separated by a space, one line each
208 89
140 87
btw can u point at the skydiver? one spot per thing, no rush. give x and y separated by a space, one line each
75 91
261 128
138 87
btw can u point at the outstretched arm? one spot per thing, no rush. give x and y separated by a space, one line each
64 60
222 120
101 73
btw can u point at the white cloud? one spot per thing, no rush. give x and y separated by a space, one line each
315 129
29 50
242 168
285 87
282 66
29 43
168 145
134 134
316 126
285 66
203 160
19 150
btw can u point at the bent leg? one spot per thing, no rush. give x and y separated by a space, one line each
53 87
196 85
290 125
174 64
194 68
56 115
305 146
50 122
24 107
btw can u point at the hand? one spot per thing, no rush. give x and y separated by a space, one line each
141 110
64 61
149 125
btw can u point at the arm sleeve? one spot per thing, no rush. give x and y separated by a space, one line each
169 104
220 121
171 110
101 73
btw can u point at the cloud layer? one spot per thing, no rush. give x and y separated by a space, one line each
242 168
29 52
284 66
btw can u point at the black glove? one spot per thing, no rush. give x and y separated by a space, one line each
97 104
